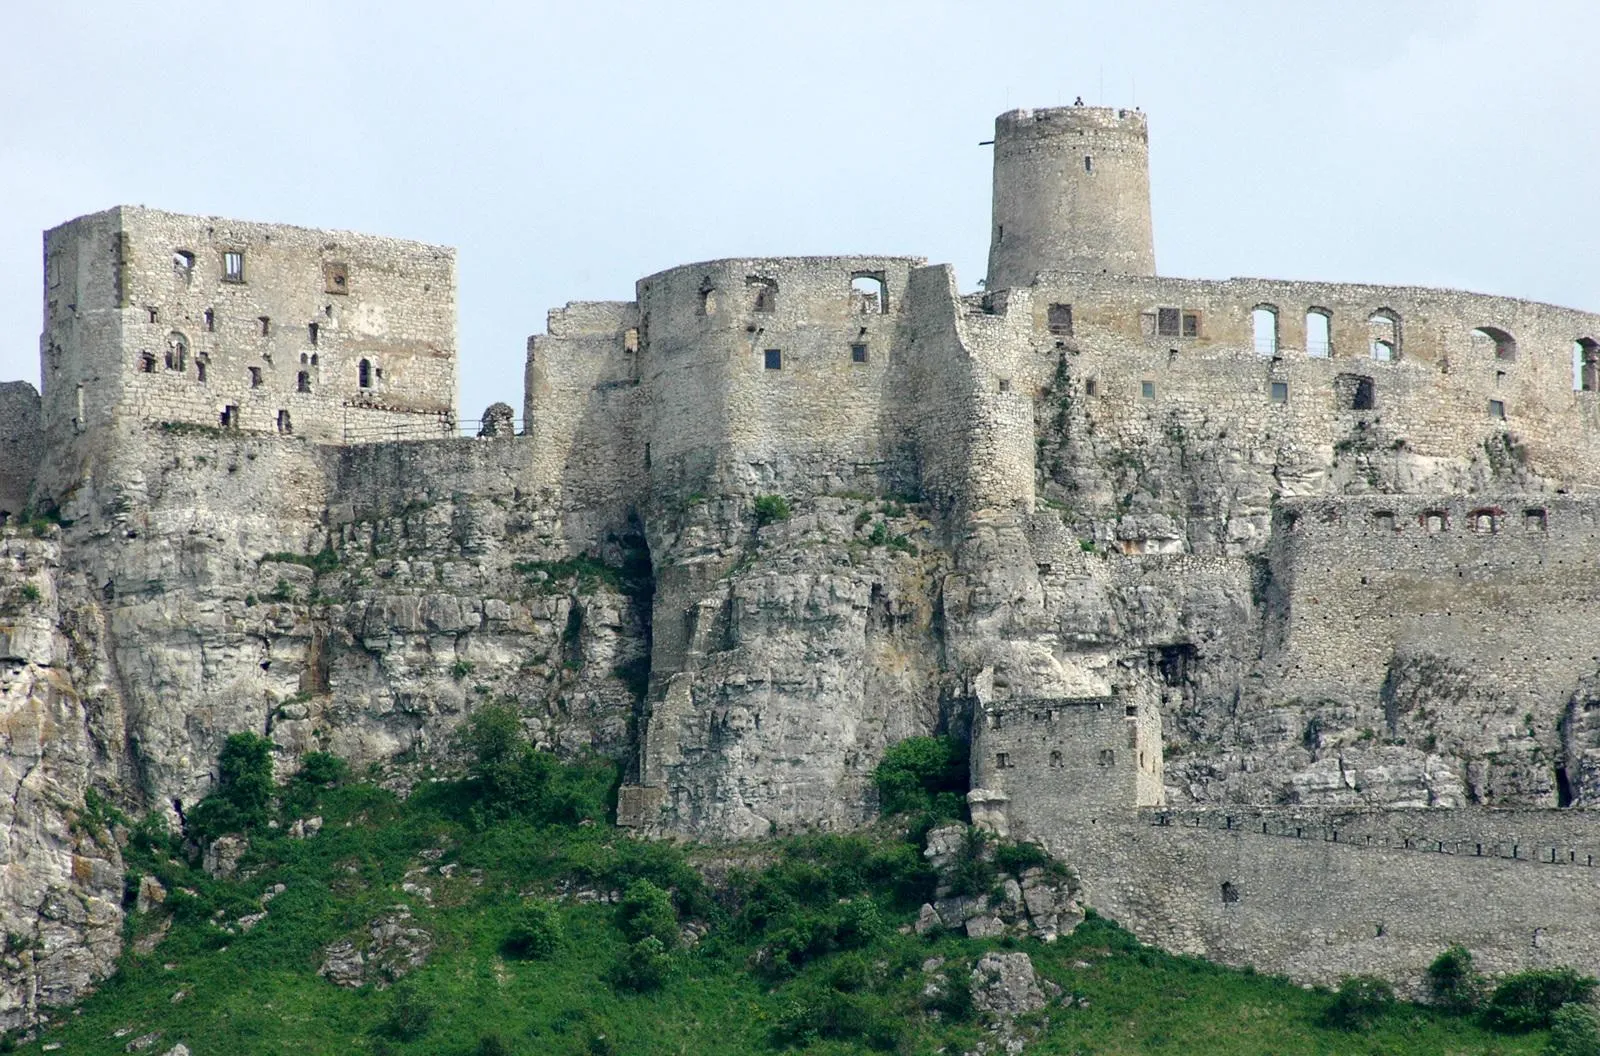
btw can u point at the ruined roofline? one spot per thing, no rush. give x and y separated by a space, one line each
122 211
1047 278
791 262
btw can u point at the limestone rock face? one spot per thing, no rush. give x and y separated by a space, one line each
1004 984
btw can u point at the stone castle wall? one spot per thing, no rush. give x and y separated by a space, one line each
21 443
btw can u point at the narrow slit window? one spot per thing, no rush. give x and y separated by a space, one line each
1091 387
364 373
302 382
255 377
266 324
312 334
1191 324
1586 365
285 425
1088 163
211 321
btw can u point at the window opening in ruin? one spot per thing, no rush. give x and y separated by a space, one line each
177 351
1191 324
1434 521
1230 893
1088 163
1005 384
708 298
999 234
774 358
200 371
230 417
1504 345
858 353
1383 520
1563 787
147 363
765 294
1319 330
313 359
630 339
869 293
183 262
312 334
335 278
302 382
1586 364
1497 409
266 324
1356 391
1147 390
255 377
305 358
1055 760
647 457
1091 387
1264 324
233 266
1002 761
364 373
154 314
1107 757
211 321
1383 332
1499 378
284 423
1483 521
1534 520
1059 319
1168 321
1280 392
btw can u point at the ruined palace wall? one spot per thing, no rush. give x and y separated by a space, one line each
1319 910
722 418
1505 586
583 405
276 343
1434 396
21 445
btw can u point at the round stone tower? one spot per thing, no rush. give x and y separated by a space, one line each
1071 193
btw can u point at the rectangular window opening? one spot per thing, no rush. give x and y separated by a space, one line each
1147 390
1280 392
858 353
336 278
1191 324
774 358
266 324
1059 318
312 333
1497 409
1167 320
233 266
1091 387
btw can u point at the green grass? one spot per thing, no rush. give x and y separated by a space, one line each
258 992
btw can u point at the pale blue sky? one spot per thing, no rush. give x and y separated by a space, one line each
568 149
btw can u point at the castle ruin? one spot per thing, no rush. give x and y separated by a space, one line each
1260 602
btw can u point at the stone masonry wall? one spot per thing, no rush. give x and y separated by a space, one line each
21 446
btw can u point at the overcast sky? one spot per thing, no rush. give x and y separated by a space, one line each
568 149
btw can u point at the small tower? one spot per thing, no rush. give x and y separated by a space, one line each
1071 193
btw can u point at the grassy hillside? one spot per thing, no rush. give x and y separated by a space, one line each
792 947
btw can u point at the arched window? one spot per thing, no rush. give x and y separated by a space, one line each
177 351
302 382
869 294
1504 345
1383 333
1264 322
364 374
763 294
1586 364
1319 331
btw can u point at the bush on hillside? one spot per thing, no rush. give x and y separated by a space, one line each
1574 1031
1454 983
535 932
643 966
923 774
1528 1000
512 778
1362 1000
244 789
646 912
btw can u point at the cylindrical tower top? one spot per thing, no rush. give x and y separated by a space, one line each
1071 193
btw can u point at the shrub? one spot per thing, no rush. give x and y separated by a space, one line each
833 1015
923 774
643 966
1527 1000
322 768
972 872
1574 1031
770 509
1454 983
535 932
512 778
646 912
244 789
492 1045
410 1015
1361 1002
1017 858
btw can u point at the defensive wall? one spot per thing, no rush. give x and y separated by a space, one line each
152 317
1504 586
1464 370
20 446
